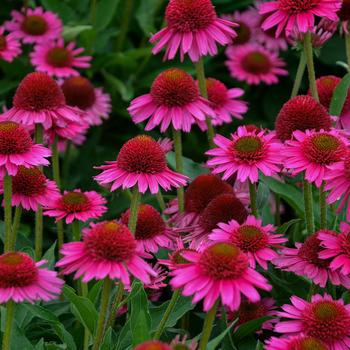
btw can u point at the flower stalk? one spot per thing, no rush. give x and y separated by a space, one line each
253 199
179 167
8 211
208 327
308 205
10 311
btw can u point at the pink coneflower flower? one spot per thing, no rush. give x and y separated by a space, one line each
141 161
173 100
254 64
153 345
199 193
337 249
30 188
323 318
252 238
193 28
299 342
221 270
290 14
304 260
338 183
182 343
249 311
301 113
222 209
313 152
224 102
166 144
39 100
79 92
22 279
17 148
151 231
56 59
10 47
76 205
247 25
109 250
35 26
247 153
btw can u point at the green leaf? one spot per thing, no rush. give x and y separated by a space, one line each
124 90
191 169
213 344
61 8
249 328
339 96
105 11
50 257
145 15
182 306
262 195
82 308
71 32
140 318
287 225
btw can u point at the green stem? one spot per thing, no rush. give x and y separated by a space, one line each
134 208
179 167
8 211
107 286
323 206
124 26
203 90
175 297
208 326
116 304
310 65
10 311
309 210
160 200
76 230
39 232
347 45
84 292
15 226
253 195
66 163
299 75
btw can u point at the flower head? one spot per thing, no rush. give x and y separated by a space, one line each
39 100
30 188
300 14
252 238
247 153
22 279
323 318
304 260
109 250
221 270
76 205
153 345
17 148
35 25
313 152
10 47
151 230
301 113
174 100
193 28
79 92
140 161
254 64
59 60
299 342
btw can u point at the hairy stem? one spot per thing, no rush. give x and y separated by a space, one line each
299 75
208 326
179 167
309 210
10 311
310 65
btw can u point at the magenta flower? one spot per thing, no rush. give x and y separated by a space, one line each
10 47
313 152
141 161
79 92
299 342
30 188
254 64
220 271
22 279
193 28
109 250
247 153
304 260
252 238
76 205
17 148
173 100
151 231
337 249
153 345
290 14
35 26
56 59
323 318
